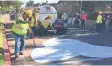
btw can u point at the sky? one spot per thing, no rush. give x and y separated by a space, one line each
39 1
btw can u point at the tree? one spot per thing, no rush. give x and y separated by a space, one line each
30 3
7 4
88 6
76 5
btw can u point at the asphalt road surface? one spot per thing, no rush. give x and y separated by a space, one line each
93 38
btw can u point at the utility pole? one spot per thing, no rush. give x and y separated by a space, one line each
81 6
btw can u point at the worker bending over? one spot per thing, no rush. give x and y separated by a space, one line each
46 23
35 21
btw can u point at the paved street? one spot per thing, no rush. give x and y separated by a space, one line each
93 38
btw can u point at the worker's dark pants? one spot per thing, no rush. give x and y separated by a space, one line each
103 26
34 30
43 31
38 31
77 24
82 24
99 27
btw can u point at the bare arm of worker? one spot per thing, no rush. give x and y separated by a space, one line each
30 31
30 28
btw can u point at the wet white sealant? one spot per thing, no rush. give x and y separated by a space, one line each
63 49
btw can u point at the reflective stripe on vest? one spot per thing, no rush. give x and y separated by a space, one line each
20 28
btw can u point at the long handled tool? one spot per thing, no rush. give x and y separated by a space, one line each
33 38
53 28
93 27
35 46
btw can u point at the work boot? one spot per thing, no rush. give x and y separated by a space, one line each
16 55
20 53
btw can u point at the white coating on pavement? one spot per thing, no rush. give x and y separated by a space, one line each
63 49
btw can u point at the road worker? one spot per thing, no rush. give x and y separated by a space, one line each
0 20
35 21
1 24
46 23
99 22
20 29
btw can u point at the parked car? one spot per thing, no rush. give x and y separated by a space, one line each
60 26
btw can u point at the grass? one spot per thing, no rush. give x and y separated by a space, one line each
1 49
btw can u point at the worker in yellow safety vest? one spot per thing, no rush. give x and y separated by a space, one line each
20 29
2 29
35 21
46 23
0 20
99 27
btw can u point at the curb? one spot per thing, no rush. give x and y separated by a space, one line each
7 59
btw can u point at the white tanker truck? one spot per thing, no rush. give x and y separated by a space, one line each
59 25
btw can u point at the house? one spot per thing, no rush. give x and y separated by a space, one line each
65 6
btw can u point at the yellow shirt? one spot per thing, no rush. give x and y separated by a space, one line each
46 23
0 19
1 25
99 19
35 20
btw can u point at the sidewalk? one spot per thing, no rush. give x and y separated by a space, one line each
26 58
4 50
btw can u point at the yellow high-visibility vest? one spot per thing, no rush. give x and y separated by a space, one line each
0 19
99 19
20 28
46 23
35 21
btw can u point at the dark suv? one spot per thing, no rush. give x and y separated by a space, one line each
60 26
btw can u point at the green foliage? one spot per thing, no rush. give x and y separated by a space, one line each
89 6
30 3
6 5
76 5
